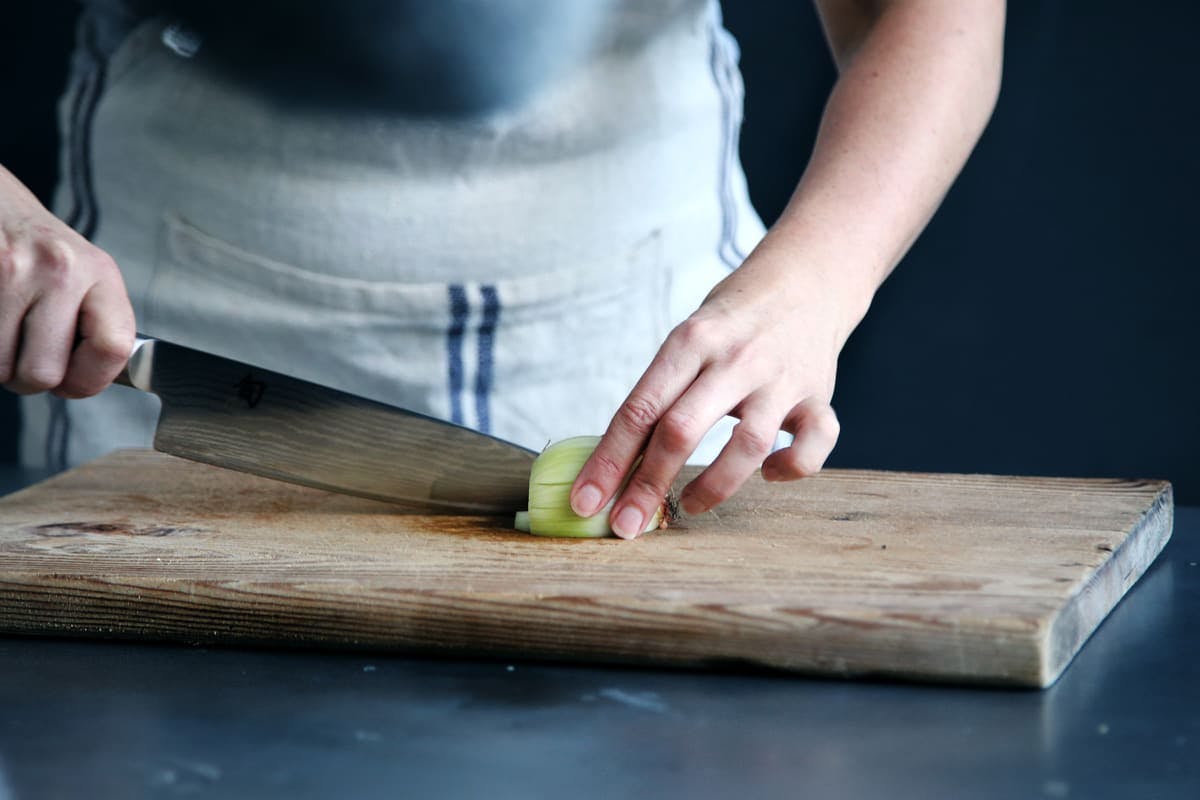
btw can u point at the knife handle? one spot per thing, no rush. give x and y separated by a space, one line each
136 372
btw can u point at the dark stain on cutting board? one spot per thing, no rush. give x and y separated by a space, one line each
57 529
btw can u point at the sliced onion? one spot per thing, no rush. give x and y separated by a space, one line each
550 481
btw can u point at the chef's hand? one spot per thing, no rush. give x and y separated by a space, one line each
66 325
918 81
762 347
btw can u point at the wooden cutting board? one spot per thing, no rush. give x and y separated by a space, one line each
958 578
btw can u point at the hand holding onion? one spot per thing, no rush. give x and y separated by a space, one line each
764 344
762 347
550 512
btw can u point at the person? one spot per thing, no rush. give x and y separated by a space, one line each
526 217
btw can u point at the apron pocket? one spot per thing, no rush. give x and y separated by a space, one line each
528 359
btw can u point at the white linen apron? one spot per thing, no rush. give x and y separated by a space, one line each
514 272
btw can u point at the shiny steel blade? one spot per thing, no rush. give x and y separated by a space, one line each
241 417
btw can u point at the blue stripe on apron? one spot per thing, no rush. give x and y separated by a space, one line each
454 348
484 334
487 336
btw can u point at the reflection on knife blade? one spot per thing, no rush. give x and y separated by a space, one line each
245 418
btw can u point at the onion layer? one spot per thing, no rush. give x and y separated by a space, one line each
550 481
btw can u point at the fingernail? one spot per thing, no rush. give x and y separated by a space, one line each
770 473
692 505
587 500
628 523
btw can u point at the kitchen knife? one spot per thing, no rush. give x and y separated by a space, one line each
249 419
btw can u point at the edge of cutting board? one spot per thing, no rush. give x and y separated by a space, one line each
58 588
1082 615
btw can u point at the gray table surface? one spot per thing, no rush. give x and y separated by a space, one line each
93 719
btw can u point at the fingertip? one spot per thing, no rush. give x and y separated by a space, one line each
803 459
781 467
628 522
692 505
587 499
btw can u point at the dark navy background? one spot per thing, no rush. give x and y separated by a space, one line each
1046 323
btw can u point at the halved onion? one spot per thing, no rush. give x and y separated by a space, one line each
550 481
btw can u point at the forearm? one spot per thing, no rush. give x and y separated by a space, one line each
918 82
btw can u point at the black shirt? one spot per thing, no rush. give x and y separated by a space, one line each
418 55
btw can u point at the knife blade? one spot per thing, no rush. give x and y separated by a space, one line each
219 411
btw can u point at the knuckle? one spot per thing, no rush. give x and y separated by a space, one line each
742 352
104 263
13 264
57 253
639 414
752 442
695 333
608 469
678 432
646 486
56 265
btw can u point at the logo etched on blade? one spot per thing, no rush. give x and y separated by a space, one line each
250 390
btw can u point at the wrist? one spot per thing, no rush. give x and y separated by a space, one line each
805 273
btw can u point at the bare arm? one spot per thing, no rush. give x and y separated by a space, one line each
918 81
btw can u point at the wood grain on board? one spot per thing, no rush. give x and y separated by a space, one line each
960 578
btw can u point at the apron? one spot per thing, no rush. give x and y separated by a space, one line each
513 271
